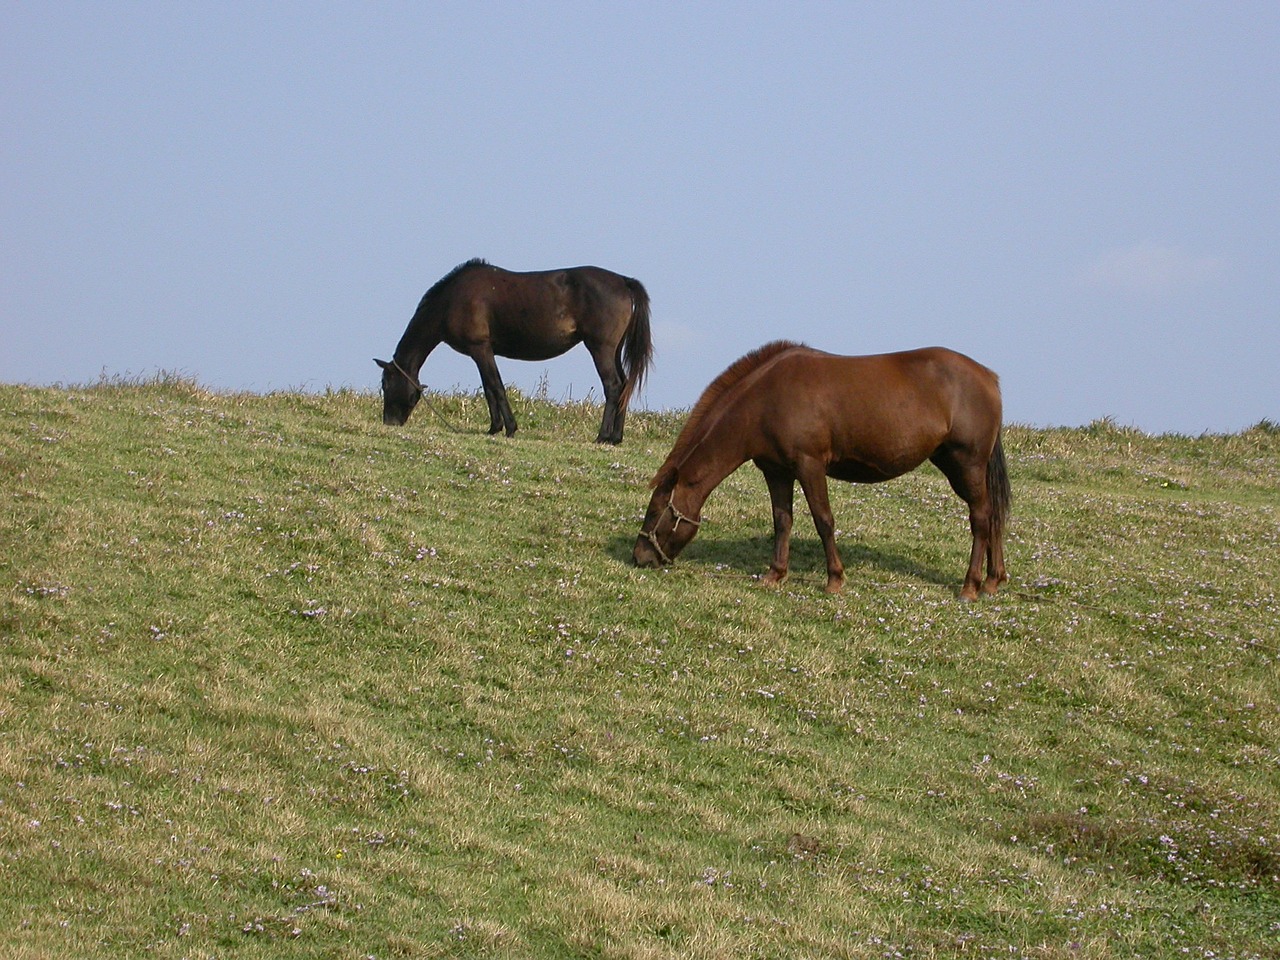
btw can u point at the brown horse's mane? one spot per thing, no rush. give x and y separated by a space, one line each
694 428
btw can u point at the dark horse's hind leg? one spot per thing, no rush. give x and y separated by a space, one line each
609 368
495 394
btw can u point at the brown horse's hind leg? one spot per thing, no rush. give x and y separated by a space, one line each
782 489
968 479
979 526
995 566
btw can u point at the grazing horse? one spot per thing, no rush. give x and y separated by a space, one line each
801 414
482 311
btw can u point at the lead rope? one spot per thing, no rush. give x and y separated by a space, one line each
653 538
407 375
422 395
680 516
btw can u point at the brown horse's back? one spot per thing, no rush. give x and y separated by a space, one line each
868 418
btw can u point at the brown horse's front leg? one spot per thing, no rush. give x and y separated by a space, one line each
782 488
813 481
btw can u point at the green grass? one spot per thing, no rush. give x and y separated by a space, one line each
276 680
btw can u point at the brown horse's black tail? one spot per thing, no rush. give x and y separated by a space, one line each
636 350
998 491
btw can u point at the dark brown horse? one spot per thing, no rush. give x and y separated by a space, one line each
482 311
801 414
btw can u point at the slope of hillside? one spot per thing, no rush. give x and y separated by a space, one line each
276 680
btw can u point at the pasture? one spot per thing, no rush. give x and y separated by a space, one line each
277 680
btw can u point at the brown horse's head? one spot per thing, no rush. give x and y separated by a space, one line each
401 392
666 529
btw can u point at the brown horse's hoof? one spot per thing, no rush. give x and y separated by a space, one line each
772 578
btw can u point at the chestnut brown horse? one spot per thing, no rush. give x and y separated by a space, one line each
801 414
482 311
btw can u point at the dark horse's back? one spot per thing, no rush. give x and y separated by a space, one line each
539 314
485 312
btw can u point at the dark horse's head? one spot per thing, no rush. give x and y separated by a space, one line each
666 529
401 392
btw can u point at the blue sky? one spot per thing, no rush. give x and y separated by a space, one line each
1083 196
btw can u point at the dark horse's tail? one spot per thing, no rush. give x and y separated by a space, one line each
636 350
998 491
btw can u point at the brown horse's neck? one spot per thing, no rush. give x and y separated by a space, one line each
704 418
704 469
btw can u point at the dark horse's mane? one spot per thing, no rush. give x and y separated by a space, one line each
693 429
452 275
430 298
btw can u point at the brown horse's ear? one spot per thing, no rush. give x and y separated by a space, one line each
382 363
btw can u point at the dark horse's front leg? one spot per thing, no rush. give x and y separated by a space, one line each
495 393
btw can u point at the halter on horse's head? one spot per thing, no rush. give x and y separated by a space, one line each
397 400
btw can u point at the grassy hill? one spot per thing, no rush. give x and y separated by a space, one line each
276 680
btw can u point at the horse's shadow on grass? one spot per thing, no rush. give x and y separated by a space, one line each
751 556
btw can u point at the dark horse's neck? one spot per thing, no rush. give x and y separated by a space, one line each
421 336
426 329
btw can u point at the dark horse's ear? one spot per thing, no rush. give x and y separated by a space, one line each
382 363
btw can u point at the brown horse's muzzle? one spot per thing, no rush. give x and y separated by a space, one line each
645 553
